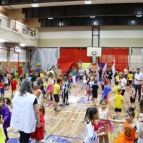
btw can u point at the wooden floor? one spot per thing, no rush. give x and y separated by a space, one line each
68 124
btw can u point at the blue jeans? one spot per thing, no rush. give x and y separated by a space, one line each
138 89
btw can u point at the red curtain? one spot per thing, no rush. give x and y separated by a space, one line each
119 54
69 57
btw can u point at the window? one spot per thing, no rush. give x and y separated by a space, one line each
23 30
31 34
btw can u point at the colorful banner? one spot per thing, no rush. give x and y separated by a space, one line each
80 64
86 66
101 65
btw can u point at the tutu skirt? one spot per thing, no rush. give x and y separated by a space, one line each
50 88
122 139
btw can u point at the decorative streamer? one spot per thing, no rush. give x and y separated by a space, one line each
86 66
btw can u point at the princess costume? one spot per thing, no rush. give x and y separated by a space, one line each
106 124
128 136
39 133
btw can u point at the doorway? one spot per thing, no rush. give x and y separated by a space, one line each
24 68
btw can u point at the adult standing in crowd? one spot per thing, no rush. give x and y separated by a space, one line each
138 82
25 113
126 72
100 74
73 75
32 77
109 75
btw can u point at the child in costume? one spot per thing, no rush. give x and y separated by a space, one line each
132 94
65 92
92 127
13 86
6 117
104 116
1 131
129 133
2 87
106 93
39 133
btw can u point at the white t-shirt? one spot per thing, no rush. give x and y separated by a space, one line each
84 79
6 80
138 76
123 83
125 71
91 83
81 72
91 135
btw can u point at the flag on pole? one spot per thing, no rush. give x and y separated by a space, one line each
104 69
103 66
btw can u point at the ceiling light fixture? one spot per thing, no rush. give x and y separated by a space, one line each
50 18
35 4
92 16
138 15
87 1
22 45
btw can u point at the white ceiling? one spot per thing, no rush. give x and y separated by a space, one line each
73 3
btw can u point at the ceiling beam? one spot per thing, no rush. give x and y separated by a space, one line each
84 11
99 21
19 2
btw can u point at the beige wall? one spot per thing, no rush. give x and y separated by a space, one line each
111 36
104 42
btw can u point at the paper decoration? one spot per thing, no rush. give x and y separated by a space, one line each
86 66
80 64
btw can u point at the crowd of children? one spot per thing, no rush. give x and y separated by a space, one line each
50 89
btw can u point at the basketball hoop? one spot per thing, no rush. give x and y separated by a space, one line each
94 52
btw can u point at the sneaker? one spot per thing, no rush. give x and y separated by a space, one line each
61 105
52 105
6 140
67 103
57 110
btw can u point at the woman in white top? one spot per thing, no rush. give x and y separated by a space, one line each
25 113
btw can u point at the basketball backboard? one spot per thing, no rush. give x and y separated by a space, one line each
91 50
